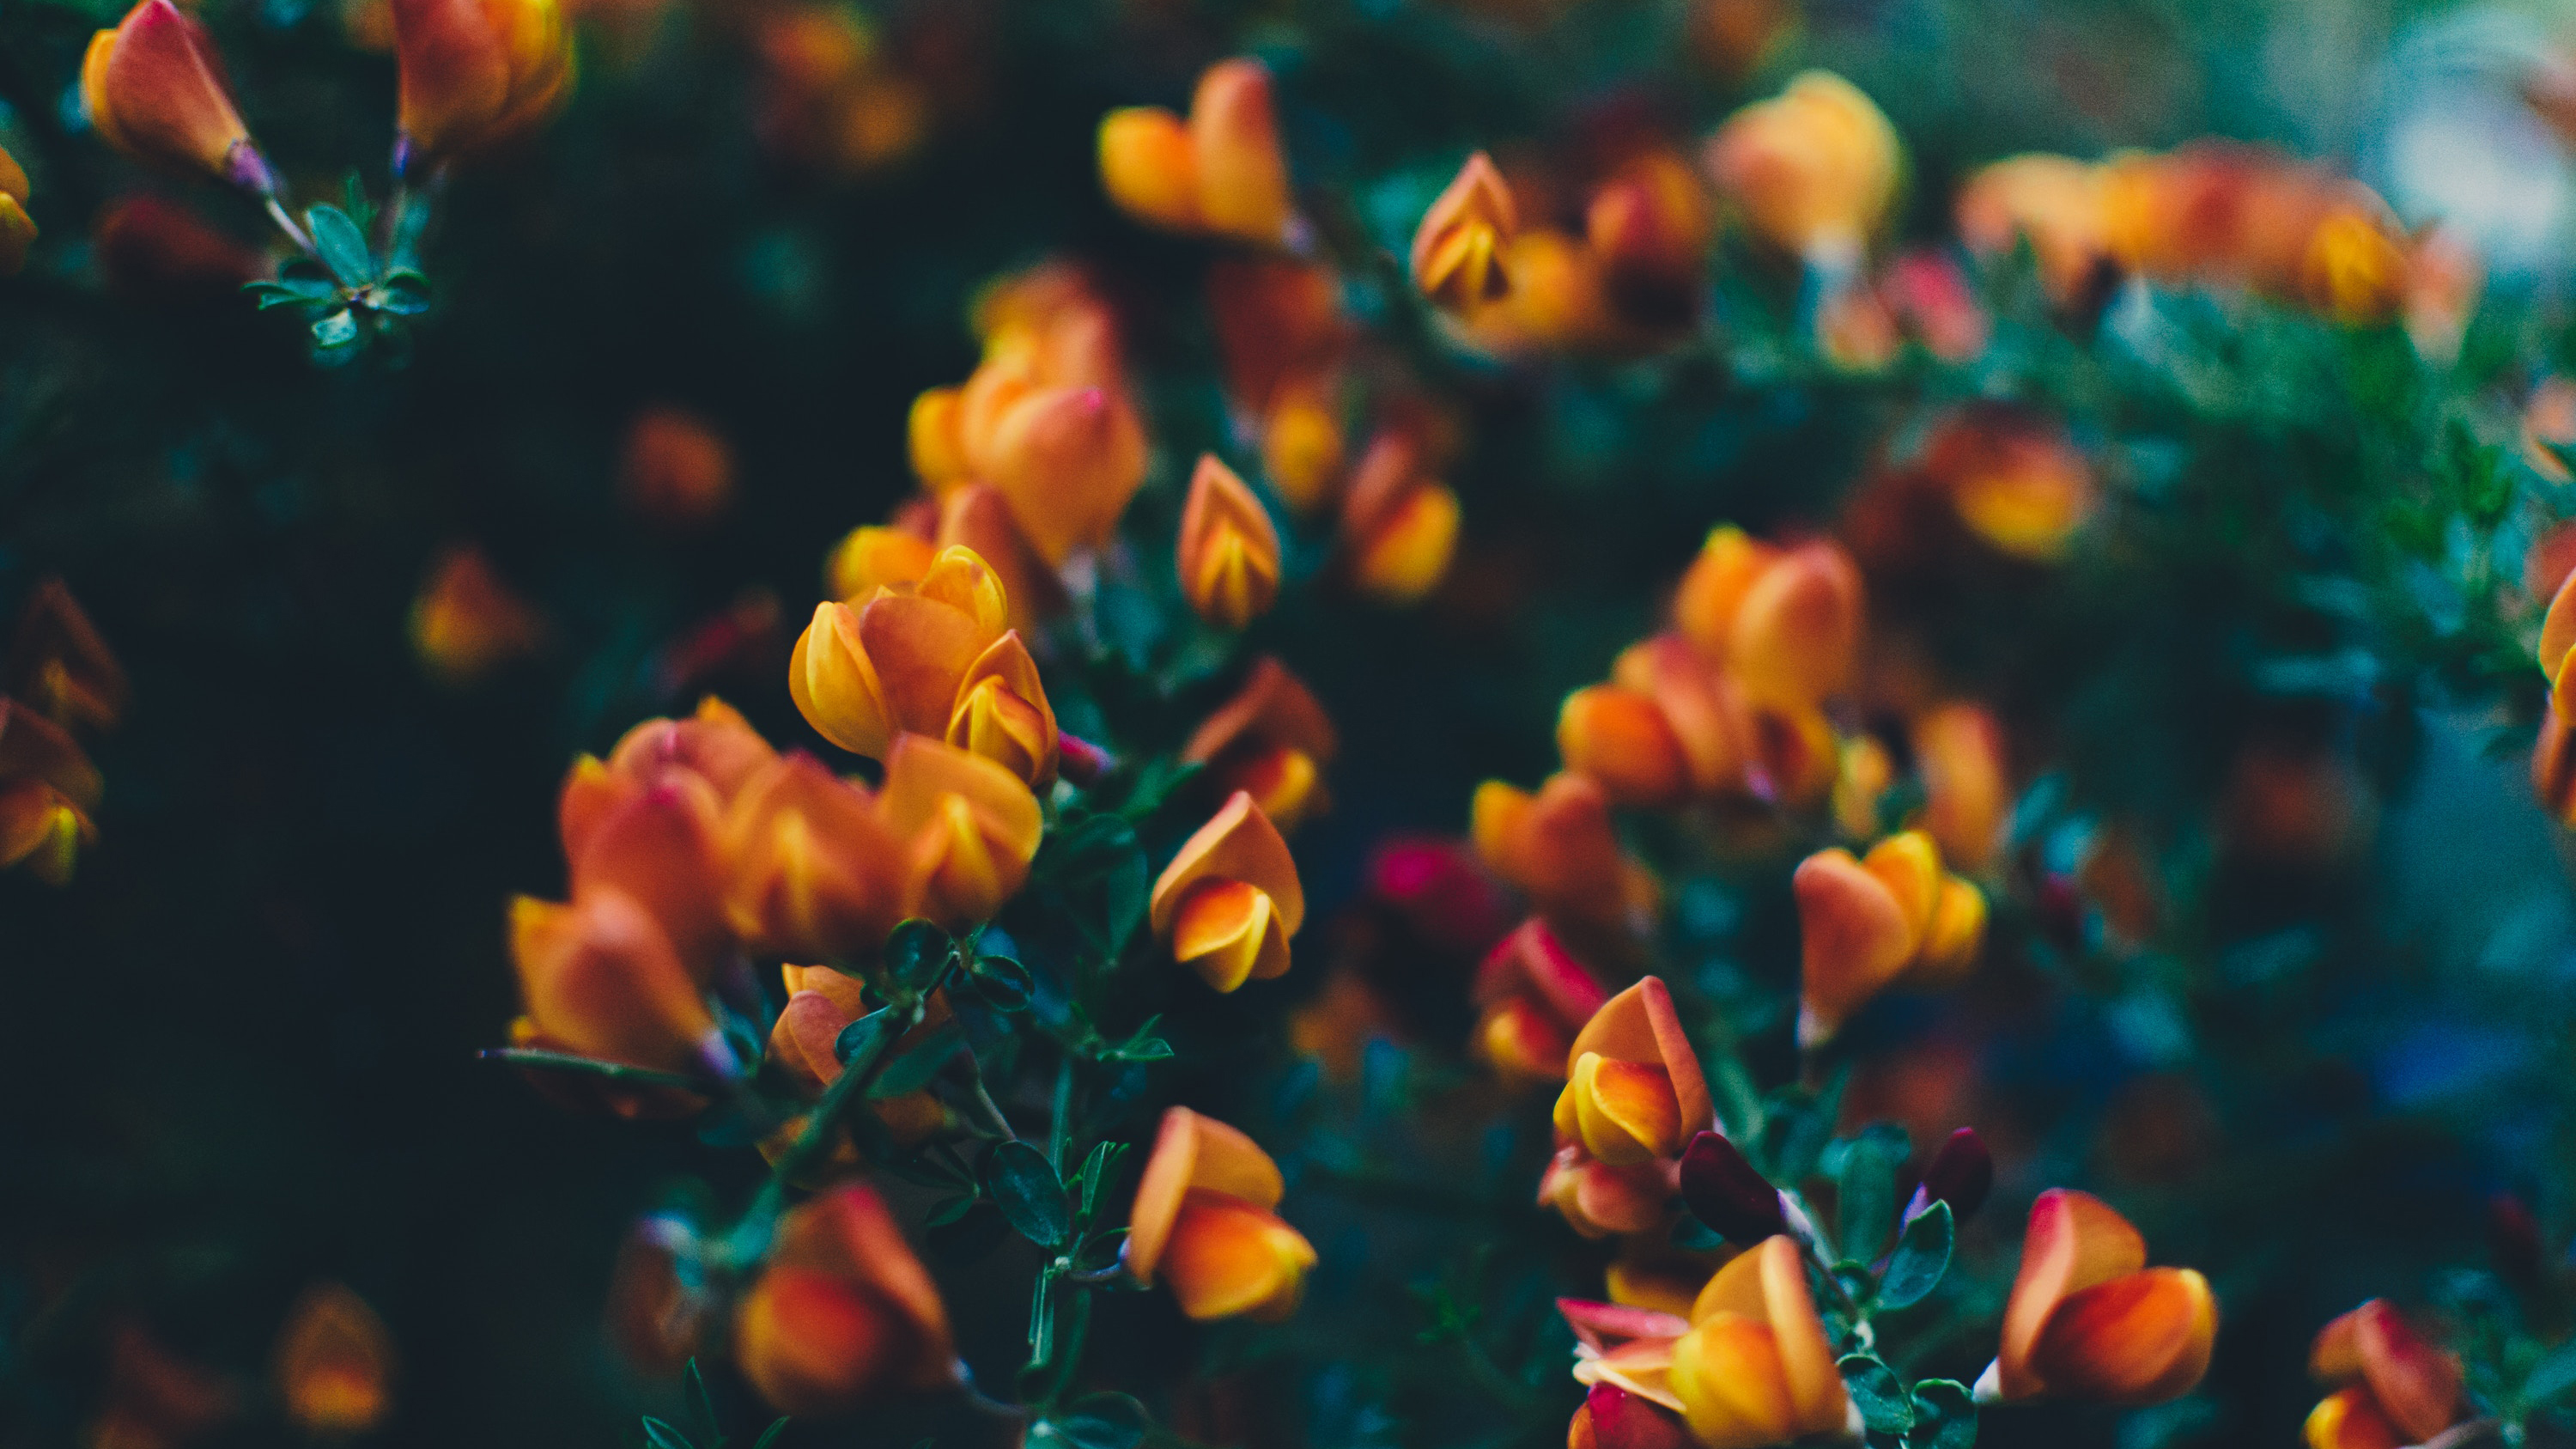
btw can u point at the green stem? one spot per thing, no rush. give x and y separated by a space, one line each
1060 1131
589 1066
848 1092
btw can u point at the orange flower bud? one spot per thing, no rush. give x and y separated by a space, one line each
156 91
1067 460
1230 900
1557 846
1277 320
1649 228
1270 741
1220 173
1813 170
1559 300
870 558
715 745
1598 1200
475 74
2017 484
979 518
2061 205
1301 441
61 665
1619 737
1624 1113
1520 1041
2350 1419
335 1364
1862 923
17 232
2088 1317
1202 1219
2355 267
1460 247
813 870
932 660
1149 167
1400 551
47 788
467 623
969 827
1756 1367
1639 1026
676 472
1535 996
804 1043
1229 549
1002 713
2406 1381
1960 751
934 434
843 1315
600 975
1796 631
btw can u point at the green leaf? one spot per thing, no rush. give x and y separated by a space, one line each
1922 1255
403 293
663 1436
770 1435
2555 1374
1024 1186
342 245
913 1070
1102 1421
290 290
949 1212
916 952
1094 1176
338 329
862 1036
1945 1416
1878 1393
1864 1168
702 1407
353 194
1003 983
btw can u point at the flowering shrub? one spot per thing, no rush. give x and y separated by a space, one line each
1451 724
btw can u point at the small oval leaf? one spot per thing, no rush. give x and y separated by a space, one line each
1024 1186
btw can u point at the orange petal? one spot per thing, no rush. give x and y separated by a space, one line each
1229 549
2558 628
977 517
1853 939
599 975
1956 937
1640 1024
1067 459
1621 738
1796 631
873 558
1193 1151
1767 1284
155 90
1521 1041
1226 931
1238 843
1408 552
1909 865
2350 1419
934 433
2141 1338
1622 1112
811 869
1002 713
835 683
2074 1241
1149 167
1242 177
1726 1372
1713 588
1457 250
1959 750
2416 1384
335 1364
1228 1258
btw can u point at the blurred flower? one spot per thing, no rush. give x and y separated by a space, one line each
2061 206
335 1364
1335 1026
2445 278
1230 900
812 869
1785 622
1813 170
675 471
1927 293
1271 741
1219 173
1866 923
2549 423
843 1316
155 90
153 250
1735 37
1613 1418
1633 1088
1229 549
873 557
475 75
831 94
48 787
2017 482
467 623
1203 1222
1959 751
1557 847
1279 321
2089 1319
1667 694
1756 1367
1460 249
155 1399
2395 1386
1435 887
1650 227
1399 525
658 1303
17 232
1534 996
969 829
821 1002
59 663
928 658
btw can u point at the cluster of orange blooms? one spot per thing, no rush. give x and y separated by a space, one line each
60 678
334 1370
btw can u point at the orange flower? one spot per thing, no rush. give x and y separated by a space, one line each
969 829
1302 445
1864 924
1229 549
1535 997
1634 1092
335 1364
1460 248
843 1315
2393 1376
2553 767
475 74
812 869
17 232
2349 1418
467 623
2089 1318
1270 741
2061 205
2016 483
1598 1200
871 557
156 91
1399 525
930 658
1219 173
1557 846
1756 1367
1649 227
1203 1221
1619 737
1784 622
1813 170
60 664
1230 900
1959 750
48 787
1613 1418
804 1043
1730 744
1278 322
677 471
155 251
1559 300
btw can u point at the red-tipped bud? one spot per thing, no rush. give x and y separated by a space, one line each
1723 1190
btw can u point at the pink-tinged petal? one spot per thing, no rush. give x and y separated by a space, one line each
2074 1241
